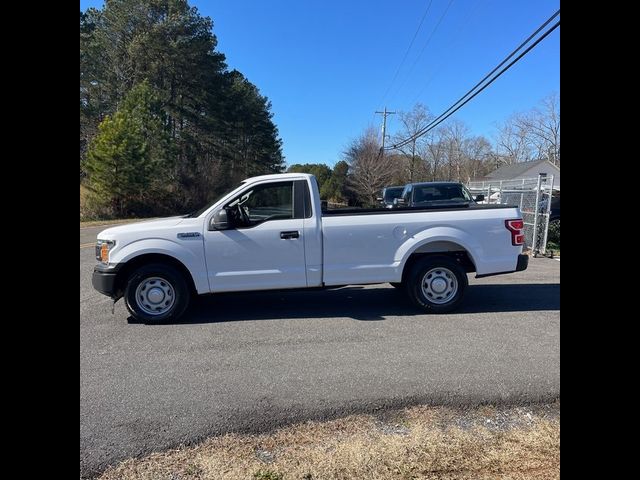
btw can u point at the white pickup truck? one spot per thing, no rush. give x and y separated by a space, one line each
271 233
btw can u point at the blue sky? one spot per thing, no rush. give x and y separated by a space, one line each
326 65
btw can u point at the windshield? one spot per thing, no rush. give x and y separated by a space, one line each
391 193
467 194
441 193
199 212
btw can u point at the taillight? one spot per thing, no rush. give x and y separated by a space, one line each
515 227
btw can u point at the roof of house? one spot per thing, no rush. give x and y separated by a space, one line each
508 172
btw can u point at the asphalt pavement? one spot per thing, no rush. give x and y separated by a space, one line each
255 361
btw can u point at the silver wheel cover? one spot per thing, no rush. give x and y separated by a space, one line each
155 296
439 285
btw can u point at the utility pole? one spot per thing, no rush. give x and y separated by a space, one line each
384 125
413 158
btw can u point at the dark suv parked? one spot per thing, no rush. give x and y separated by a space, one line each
389 194
435 193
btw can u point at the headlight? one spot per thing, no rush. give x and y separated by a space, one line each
102 250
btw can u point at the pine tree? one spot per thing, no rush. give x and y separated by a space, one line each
129 159
220 128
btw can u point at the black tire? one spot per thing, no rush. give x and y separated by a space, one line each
169 279
429 302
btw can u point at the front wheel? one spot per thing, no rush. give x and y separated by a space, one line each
156 293
436 284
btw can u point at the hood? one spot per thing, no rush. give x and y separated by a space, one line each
144 226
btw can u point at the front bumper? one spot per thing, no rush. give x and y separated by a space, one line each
523 262
104 281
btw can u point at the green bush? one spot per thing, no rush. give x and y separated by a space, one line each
554 233
267 475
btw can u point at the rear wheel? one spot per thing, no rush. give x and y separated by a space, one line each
436 284
156 293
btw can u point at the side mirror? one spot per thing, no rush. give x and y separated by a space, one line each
379 199
479 198
220 220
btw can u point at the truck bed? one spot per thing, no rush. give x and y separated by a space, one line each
371 245
383 211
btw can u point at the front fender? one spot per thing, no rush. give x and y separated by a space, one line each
190 254
440 234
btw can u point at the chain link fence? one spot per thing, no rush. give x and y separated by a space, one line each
532 196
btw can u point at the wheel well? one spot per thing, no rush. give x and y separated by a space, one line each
134 263
461 256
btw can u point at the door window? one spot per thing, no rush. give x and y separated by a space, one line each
262 203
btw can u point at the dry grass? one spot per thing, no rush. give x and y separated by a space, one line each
84 196
415 443
85 212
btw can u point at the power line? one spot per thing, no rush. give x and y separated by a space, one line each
458 105
407 52
423 49
439 119
447 58
493 71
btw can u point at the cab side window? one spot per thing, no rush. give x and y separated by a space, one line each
271 201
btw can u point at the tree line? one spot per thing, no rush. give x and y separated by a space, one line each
164 125
448 152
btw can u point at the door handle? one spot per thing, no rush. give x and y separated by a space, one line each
292 234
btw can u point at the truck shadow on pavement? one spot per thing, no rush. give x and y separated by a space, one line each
359 303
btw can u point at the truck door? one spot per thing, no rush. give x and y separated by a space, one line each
264 246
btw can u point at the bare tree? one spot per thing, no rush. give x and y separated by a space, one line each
455 133
412 122
477 154
532 135
370 169
448 152
543 127
400 166
513 144
434 152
